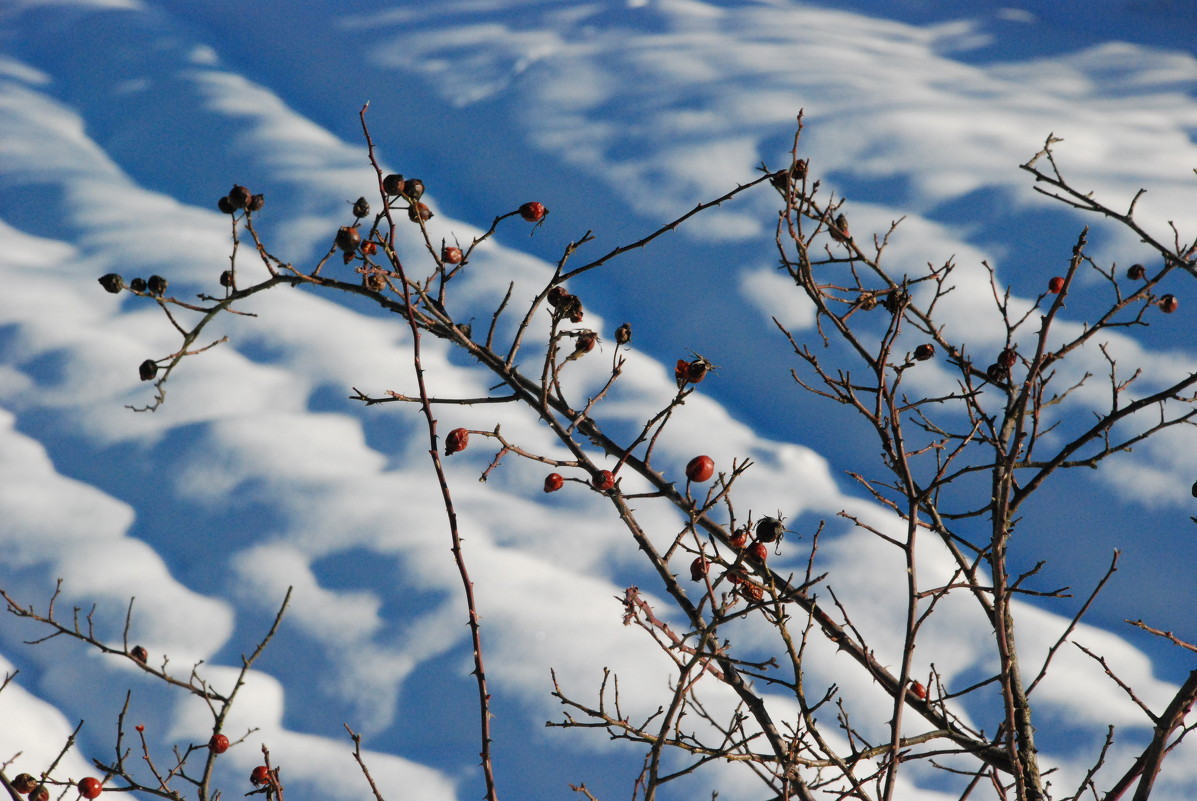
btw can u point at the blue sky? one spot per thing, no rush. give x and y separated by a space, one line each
121 123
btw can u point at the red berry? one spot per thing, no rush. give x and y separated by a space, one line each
24 783
1055 285
1136 272
553 482
39 793
739 538
348 238
698 569
533 211
457 440
924 352
260 775
90 787
1169 304
451 255
700 469
758 551
219 743
918 690
138 653
369 248
603 480
418 211
139 727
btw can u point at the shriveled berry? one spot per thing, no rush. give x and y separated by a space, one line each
556 295
348 238
769 529
918 690
739 538
1055 285
996 372
368 248
156 285
623 334
361 208
553 482
697 370
218 744
393 184
39 793
140 654
533 211
451 254
137 285
375 282
1169 304
1194 490
698 569
758 551
239 196
413 188
457 440
256 203
23 783
147 370
226 205
603 480
583 345
90 787
418 212
924 352
896 300
1136 272
260 775
226 279
1007 358
700 469
112 283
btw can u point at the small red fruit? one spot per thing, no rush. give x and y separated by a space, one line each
451 254
924 352
457 440
139 728
700 469
418 211
369 248
603 480
739 538
24 783
1055 285
553 482
1136 272
219 743
758 551
39 793
533 211
260 775
348 238
918 690
1169 304
140 654
90 787
698 569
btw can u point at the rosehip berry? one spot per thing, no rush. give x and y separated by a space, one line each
457 440
374 282
918 690
1194 490
698 569
137 285
39 793
896 300
348 238
239 196
413 188
225 205
556 295
586 342
603 480
24 783
1169 304
218 744
1136 272
112 283
260 775
451 255
418 212
533 211
139 654
90 787
393 184
553 482
700 469
156 285
361 208
1055 285
996 372
368 248
769 529
758 551
1007 357
623 334
924 352
739 538
147 370
697 370
256 203
226 279
139 728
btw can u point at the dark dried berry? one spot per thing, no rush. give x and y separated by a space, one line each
996 372
239 196
24 783
758 551
896 300
137 285
697 370
256 203
413 188
112 283
1136 272
138 653
348 238
924 352
393 184
226 205
698 569
418 212
1007 357
457 440
1194 490
156 285
148 369
1169 304
623 334
226 279
556 295
361 208
769 529
533 211
375 282
39 793
570 306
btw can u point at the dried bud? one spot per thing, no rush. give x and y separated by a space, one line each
112 283
361 208
137 285
348 238
239 196
393 184
156 285
623 334
896 300
148 369
413 188
924 352
418 212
